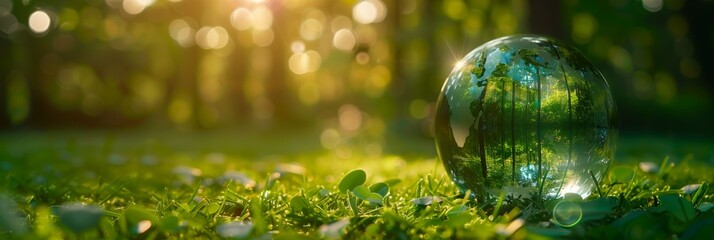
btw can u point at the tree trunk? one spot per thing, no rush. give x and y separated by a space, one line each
277 87
236 78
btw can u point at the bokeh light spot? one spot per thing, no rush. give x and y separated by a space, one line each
69 19
666 87
362 58
241 19
263 38
311 29
134 7
212 37
620 58
301 63
330 138
340 22
678 25
652 5
584 26
373 150
350 117
455 9
39 21
182 32
418 109
379 78
315 61
344 40
365 12
262 18
180 110
298 63
297 47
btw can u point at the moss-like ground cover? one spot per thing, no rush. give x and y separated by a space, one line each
88 186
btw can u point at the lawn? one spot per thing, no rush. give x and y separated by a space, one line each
285 185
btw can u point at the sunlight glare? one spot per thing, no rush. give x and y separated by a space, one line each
459 64
572 188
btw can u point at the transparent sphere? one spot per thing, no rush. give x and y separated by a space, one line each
527 115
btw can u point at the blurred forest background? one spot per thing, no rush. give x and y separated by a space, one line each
343 66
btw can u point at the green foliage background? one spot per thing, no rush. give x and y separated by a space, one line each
99 66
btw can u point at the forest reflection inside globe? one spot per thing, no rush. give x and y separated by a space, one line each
527 115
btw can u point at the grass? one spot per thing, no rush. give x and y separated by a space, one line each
70 185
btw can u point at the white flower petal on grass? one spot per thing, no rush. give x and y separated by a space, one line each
187 171
238 177
334 230
116 159
149 160
691 188
649 167
208 182
79 217
187 174
216 158
290 168
428 200
234 229
142 226
11 219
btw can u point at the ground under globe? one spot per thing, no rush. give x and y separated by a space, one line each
525 115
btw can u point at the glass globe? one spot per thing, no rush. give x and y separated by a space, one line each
527 115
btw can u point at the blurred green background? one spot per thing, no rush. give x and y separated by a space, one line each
345 68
